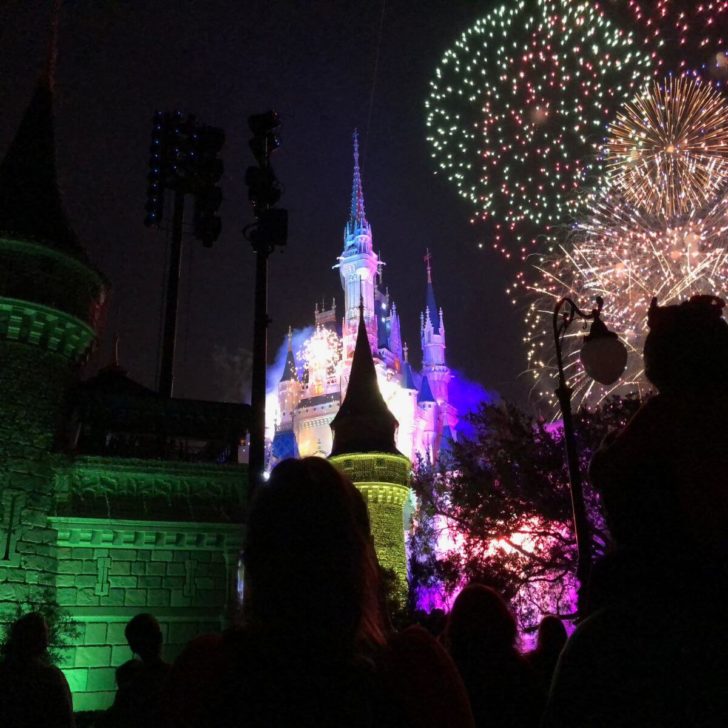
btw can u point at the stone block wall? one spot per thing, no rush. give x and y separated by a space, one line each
383 480
32 388
110 570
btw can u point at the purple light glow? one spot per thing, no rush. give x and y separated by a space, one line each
466 396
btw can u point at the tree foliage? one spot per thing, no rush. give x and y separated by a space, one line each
497 508
63 630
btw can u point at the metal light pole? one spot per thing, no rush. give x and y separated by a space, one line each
269 230
169 337
604 358
256 460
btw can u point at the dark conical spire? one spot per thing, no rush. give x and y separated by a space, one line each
430 303
357 215
425 393
408 379
30 202
363 422
289 368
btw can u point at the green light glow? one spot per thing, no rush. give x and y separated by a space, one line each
383 480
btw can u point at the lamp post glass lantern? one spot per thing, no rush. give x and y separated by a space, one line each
604 358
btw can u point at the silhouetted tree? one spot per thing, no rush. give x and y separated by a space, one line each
63 631
497 508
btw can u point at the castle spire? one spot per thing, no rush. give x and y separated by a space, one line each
431 305
357 216
358 266
52 55
30 202
289 368
363 423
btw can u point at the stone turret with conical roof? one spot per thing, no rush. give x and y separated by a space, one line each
364 448
51 301
41 258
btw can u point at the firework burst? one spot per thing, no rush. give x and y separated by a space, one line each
319 357
627 257
519 107
667 152
681 36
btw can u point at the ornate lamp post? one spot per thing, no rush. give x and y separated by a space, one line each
604 358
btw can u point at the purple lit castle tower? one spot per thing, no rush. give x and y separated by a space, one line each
316 376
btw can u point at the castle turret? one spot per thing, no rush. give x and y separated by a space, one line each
432 332
289 388
51 300
408 409
358 266
364 448
395 335
289 393
428 421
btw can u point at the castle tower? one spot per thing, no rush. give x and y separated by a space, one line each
364 448
435 372
433 342
358 267
51 300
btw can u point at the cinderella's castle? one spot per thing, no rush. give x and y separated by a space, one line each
315 378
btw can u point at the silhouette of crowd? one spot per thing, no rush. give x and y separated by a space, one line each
314 647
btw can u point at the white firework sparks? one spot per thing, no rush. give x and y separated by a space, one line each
626 257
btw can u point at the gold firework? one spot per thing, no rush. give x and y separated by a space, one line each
667 152
626 257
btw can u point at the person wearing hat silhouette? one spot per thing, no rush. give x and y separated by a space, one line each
664 478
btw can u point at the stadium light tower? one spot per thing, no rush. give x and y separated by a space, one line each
184 161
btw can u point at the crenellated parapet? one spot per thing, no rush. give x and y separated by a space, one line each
40 326
38 274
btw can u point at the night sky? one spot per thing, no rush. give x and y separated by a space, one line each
327 66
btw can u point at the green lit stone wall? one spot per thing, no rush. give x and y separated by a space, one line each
97 486
33 272
108 537
143 536
383 480
33 383
49 305
111 569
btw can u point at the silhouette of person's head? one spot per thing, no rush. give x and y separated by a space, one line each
687 345
27 637
144 636
310 568
481 620
551 635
